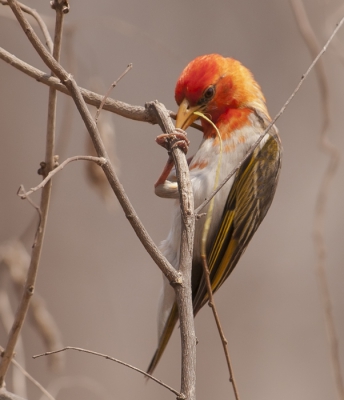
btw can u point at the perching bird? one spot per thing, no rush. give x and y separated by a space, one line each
226 93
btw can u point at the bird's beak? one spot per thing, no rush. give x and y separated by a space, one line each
185 114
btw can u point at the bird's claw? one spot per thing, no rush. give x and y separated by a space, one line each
175 139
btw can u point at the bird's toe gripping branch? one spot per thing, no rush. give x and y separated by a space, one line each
169 141
175 139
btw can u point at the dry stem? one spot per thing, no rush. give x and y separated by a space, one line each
112 359
23 194
183 292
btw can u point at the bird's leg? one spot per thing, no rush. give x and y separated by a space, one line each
165 173
166 186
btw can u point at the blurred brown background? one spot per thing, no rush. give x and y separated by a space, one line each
96 278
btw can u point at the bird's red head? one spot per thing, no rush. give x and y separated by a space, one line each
214 85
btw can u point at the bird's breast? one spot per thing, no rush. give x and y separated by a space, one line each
210 157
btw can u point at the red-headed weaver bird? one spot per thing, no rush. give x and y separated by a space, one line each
225 92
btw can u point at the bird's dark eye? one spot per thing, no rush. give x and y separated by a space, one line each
209 93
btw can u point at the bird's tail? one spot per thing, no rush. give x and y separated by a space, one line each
165 337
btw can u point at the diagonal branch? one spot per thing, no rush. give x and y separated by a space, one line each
95 353
23 194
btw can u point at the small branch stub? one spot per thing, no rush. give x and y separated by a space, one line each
63 4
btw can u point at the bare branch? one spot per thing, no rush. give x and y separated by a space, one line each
184 291
112 359
99 160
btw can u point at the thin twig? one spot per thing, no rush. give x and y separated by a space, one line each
7 317
32 379
224 341
99 160
39 21
323 193
336 44
39 212
44 205
112 86
95 353
136 113
255 145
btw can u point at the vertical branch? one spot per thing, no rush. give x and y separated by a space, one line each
29 286
321 201
183 291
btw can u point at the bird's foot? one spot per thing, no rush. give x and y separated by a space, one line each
175 139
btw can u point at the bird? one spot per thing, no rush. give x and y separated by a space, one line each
224 95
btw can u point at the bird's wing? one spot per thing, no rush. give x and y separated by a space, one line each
165 337
248 202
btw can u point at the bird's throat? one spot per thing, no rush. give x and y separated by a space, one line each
229 121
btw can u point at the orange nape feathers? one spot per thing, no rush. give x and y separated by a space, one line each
235 87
